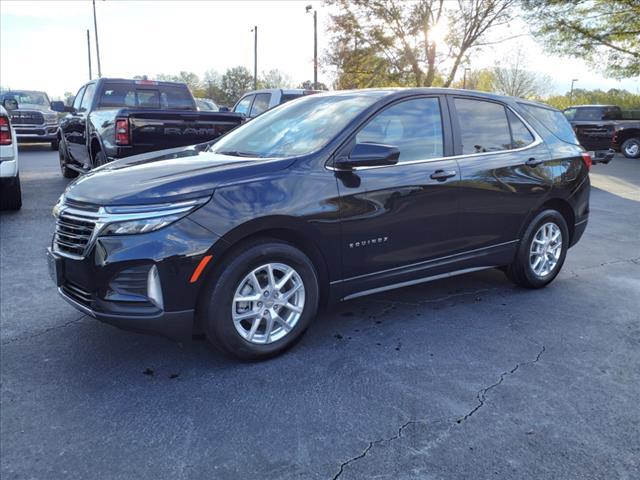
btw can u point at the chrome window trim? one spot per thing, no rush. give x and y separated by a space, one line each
537 141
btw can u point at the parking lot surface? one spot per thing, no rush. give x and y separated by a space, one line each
470 377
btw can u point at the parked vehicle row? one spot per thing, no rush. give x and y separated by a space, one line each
256 102
600 127
331 197
116 118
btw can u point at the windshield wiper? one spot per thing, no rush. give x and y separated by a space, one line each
237 153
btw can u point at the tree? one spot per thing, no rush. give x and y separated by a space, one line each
69 97
274 79
480 79
235 82
212 86
423 43
622 98
308 85
606 33
511 77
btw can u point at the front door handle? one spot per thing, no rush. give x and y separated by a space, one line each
442 175
532 162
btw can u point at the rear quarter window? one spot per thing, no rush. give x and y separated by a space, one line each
553 120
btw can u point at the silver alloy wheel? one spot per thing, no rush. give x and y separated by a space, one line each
545 250
268 303
632 149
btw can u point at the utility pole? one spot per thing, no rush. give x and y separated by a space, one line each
255 57
308 8
95 27
89 52
571 92
464 80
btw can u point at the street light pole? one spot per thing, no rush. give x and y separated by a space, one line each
464 80
571 92
95 27
308 8
255 57
89 52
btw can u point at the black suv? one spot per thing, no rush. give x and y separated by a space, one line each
326 198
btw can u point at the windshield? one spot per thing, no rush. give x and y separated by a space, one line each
296 128
31 98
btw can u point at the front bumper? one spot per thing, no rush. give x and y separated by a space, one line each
36 133
140 282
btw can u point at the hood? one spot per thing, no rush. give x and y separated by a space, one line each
166 176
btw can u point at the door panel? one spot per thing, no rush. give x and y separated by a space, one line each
505 171
398 215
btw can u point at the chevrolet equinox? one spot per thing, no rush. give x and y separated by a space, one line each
326 198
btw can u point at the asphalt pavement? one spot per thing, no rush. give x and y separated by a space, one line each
469 377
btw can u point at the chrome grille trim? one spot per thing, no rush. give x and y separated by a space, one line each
75 230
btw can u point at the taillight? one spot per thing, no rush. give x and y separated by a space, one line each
5 132
122 131
586 158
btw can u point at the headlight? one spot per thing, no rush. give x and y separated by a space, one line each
51 118
127 220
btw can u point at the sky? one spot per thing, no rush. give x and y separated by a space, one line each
43 43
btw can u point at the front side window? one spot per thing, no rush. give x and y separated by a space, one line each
483 126
244 105
87 97
78 99
413 126
296 128
260 104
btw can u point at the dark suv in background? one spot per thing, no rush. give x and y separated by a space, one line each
327 198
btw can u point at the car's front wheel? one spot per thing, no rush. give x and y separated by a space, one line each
541 252
261 300
64 162
631 148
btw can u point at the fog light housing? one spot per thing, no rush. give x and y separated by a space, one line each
154 288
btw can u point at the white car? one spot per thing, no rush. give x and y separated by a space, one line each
253 103
10 195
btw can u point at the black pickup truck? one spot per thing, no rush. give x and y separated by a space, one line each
600 127
116 118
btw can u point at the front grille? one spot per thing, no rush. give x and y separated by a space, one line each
74 229
77 293
27 118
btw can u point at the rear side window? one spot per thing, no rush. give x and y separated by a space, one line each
290 96
552 120
260 104
244 105
414 126
483 126
520 134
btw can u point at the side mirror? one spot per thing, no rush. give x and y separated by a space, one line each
10 104
223 109
602 157
58 106
369 155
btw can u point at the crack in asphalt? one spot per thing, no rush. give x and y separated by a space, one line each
481 396
634 260
42 332
440 299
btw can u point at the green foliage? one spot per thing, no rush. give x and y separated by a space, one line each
622 98
606 33
308 85
235 82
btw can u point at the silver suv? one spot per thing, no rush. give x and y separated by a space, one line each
253 103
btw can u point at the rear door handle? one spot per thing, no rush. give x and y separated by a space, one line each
442 175
532 162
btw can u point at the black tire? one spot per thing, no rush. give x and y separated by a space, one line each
64 161
54 144
215 308
630 148
11 195
99 159
520 271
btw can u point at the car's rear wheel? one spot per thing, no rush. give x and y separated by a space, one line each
631 148
541 252
11 195
261 301
100 159
64 162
